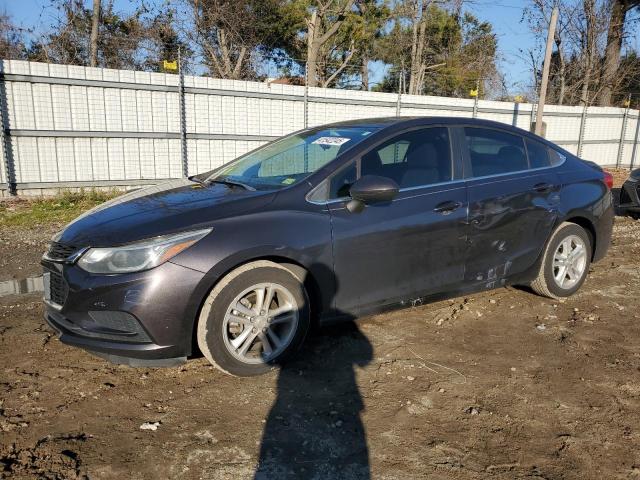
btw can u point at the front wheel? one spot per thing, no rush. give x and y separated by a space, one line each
253 319
565 263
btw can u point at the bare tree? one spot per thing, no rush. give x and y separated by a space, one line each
576 63
93 42
589 40
615 36
326 18
11 39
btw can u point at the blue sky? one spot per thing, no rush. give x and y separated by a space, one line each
514 36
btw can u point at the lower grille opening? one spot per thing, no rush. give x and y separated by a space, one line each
58 288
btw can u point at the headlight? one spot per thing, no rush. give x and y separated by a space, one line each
138 256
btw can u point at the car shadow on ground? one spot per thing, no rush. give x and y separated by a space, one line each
314 428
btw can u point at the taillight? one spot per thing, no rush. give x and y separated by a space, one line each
608 180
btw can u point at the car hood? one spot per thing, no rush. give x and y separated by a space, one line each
172 206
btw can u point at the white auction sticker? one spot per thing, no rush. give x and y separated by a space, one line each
331 141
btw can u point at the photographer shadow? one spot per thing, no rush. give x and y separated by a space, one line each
314 428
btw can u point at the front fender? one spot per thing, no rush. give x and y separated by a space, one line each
276 234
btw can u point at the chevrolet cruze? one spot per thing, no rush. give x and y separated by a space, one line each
328 223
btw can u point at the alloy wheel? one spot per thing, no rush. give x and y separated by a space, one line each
260 323
569 262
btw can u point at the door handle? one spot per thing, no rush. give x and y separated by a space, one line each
445 208
542 187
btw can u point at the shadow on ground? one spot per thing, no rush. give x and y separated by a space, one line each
314 429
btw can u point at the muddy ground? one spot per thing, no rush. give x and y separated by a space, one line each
502 384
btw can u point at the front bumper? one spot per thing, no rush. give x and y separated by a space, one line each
144 318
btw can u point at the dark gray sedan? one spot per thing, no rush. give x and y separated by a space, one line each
326 224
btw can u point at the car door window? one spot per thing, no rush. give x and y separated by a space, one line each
538 154
412 159
416 158
342 180
494 152
556 157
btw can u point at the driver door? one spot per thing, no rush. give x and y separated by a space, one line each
407 248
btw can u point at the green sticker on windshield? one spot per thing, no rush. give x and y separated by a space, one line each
288 181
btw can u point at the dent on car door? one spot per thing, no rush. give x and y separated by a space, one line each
413 245
513 197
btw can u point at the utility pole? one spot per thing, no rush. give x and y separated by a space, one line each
542 97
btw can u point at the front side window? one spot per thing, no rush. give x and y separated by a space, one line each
291 159
494 152
412 159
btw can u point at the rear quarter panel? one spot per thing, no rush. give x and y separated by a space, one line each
585 195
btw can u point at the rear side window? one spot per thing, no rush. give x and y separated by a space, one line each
556 157
538 154
494 152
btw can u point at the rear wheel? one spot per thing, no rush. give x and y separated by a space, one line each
253 319
565 263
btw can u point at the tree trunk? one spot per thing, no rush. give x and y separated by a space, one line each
615 35
364 73
562 71
93 42
313 49
417 47
316 38
590 50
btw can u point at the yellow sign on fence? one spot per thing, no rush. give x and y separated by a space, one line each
473 93
173 66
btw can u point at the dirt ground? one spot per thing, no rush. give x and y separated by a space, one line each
501 384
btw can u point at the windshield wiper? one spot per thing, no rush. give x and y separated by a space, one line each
197 180
232 183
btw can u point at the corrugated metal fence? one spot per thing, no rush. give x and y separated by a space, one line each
71 126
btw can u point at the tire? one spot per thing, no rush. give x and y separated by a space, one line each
231 319
546 283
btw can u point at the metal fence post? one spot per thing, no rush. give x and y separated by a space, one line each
635 142
306 95
623 134
9 167
583 123
400 87
476 100
183 120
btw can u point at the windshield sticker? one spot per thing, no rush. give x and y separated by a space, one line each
288 181
331 141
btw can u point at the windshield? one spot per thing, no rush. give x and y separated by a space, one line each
291 159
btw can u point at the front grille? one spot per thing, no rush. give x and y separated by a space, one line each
58 287
60 251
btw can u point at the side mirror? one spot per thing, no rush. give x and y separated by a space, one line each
371 189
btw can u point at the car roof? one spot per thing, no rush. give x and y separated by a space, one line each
407 122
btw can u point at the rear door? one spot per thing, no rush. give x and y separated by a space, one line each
513 199
411 246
